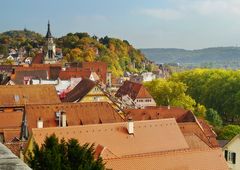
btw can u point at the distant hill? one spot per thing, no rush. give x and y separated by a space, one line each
209 57
27 34
21 38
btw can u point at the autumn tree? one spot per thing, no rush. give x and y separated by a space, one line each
120 55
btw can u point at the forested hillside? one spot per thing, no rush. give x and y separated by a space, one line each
17 39
119 54
225 57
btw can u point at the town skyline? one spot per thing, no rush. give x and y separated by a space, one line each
169 24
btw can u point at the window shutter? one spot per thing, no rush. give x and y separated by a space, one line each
233 157
226 154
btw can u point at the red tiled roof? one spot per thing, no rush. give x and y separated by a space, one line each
149 136
194 142
38 59
52 69
99 67
208 159
76 114
187 121
10 124
19 75
19 95
133 90
74 73
10 119
11 134
195 128
15 147
207 128
149 113
79 91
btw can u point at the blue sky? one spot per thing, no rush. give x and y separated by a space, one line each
189 24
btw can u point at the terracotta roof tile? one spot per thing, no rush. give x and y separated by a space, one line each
207 128
15 147
194 127
79 91
180 160
133 90
149 136
19 95
194 142
74 73
187 121
11 134
52 69
9 120
38 59
19 76
99 67
149 113
76 114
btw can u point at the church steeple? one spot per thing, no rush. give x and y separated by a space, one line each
48 35
50 56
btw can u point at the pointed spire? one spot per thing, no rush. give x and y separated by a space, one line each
48 35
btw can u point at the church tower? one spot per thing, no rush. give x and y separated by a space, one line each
50 56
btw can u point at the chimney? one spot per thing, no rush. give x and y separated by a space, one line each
64 119
169 107
130 126
40 123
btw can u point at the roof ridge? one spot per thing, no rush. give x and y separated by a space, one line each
105 124
158 153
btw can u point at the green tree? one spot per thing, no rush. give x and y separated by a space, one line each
213 117
200 111
228 132
63 156
215 88
3 50
172 93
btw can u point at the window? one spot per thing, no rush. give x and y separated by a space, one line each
148 100
96 99
230 156
96 89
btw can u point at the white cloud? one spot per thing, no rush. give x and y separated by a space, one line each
214 7
188 8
